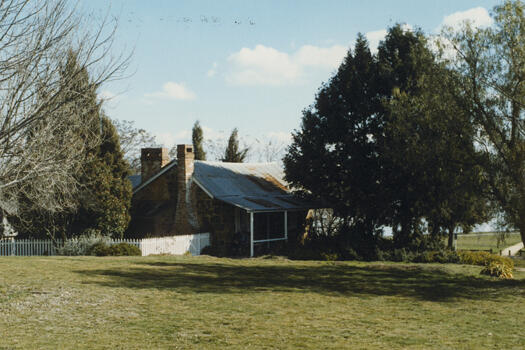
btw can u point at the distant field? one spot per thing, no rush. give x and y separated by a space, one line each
489 240
211 303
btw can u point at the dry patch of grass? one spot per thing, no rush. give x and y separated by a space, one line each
209 303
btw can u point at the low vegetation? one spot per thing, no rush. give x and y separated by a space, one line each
265 303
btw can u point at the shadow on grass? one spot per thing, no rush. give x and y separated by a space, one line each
424 283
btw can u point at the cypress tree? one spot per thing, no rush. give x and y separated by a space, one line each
197 139
108 188
233 153
104 198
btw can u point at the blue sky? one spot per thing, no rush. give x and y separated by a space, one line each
248 64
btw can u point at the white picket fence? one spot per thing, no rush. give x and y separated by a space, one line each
26 247
175 245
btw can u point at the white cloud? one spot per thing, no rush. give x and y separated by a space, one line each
213 70
478 17
173 91
267 66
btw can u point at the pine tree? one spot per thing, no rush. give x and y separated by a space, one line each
197 139
104 197
334 156
233 153
108 188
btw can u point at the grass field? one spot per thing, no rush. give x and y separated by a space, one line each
210 303
487 241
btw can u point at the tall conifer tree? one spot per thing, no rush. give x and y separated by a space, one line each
233 153
197 139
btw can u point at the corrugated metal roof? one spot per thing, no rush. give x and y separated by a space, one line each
251 186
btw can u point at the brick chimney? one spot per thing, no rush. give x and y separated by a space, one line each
185 218
152 160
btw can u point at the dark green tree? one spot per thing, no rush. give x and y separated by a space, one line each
376 148
104 193
197 139
107 191
403 60
431 140
233 152
334 156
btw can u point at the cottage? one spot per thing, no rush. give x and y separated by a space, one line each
245 206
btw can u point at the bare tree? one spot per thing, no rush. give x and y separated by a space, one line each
132 140
268 150
41 144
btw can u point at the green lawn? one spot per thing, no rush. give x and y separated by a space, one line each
487 241
210 303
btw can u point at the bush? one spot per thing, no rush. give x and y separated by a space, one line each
123 249
498 269
484 259
438 256
494 265
120 249
82 245
99 249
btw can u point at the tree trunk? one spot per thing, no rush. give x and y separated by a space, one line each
451 230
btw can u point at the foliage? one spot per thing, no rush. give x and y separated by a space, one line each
484 258
431 146
496 269
385 145
440 256
119 249
334 140
107 193
197 140
490 61
233 153
84 244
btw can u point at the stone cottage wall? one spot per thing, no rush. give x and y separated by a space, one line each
153 208
216 217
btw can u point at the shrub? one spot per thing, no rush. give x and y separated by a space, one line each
484 259
123 249
99 249
437 256
402 255
83 244
494 265
497 269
